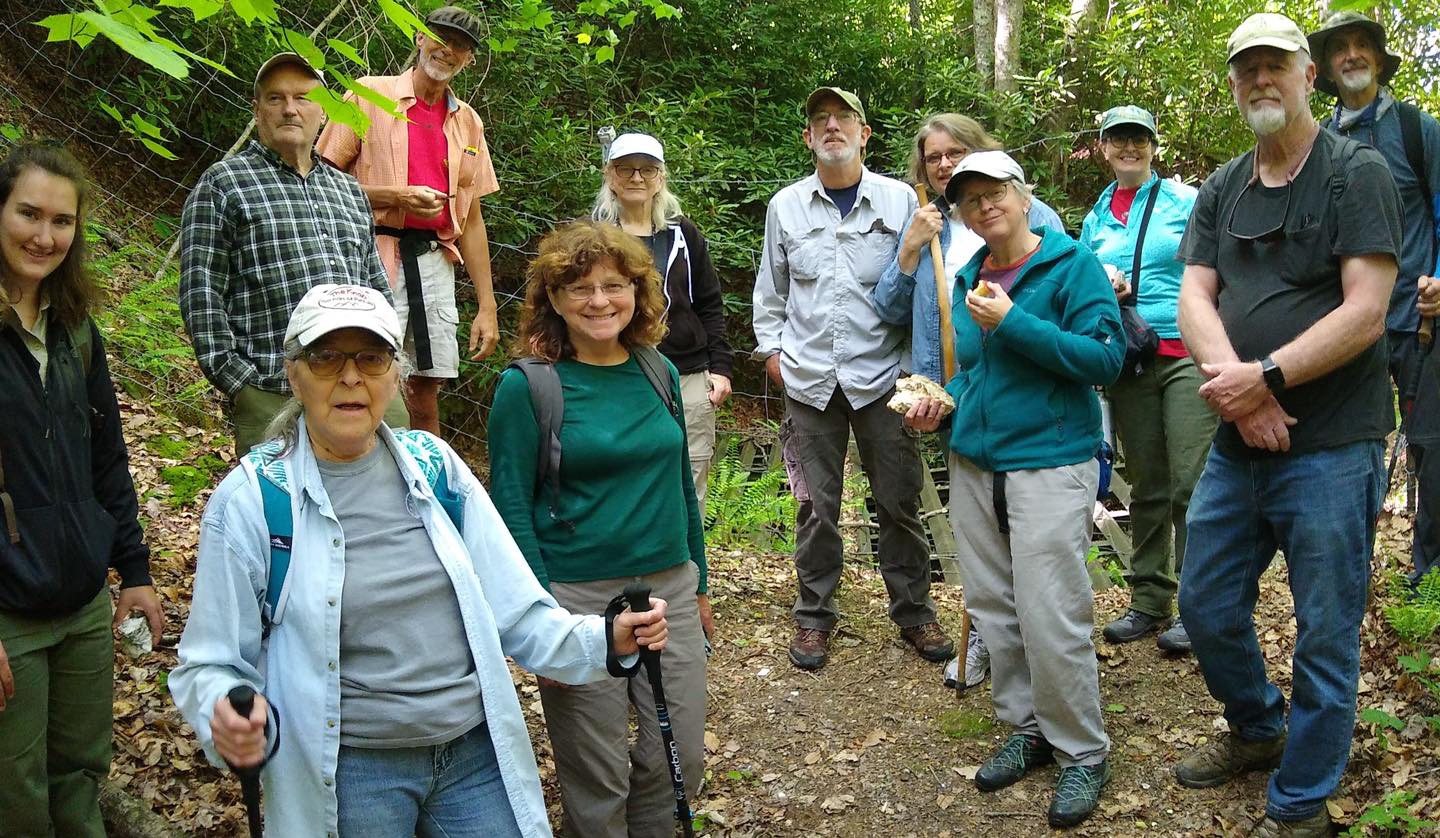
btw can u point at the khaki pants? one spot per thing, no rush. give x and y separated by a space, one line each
612 788
699 429
252 409
55 732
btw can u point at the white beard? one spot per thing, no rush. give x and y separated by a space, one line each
428 67
1265 121
1356 81
838 156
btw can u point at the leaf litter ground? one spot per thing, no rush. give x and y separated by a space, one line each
870 745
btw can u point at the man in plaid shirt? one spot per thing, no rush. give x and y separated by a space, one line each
258 231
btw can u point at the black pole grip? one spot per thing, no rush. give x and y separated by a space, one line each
242 699
637 595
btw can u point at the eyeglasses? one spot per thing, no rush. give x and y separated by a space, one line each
1133 140
954 156
646 172
822 118
993 196
1273 234
328 363
579 292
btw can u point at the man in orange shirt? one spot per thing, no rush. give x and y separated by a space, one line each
425 176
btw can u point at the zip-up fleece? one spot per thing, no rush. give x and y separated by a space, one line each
1025 392
68 472
695 306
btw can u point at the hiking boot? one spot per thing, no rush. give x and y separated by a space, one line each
1227 757
1315 826
1016 757
930 641
1175 640
810 648
1077 792
1131 627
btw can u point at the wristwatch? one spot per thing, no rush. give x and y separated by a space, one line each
1274 376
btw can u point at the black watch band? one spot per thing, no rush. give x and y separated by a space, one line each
1274 376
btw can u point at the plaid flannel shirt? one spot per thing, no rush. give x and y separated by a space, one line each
255 236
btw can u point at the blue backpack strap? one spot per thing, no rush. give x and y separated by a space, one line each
427 453
274 483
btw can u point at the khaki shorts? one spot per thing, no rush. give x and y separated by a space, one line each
442 317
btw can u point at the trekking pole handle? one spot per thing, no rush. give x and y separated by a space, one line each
637 595
242 699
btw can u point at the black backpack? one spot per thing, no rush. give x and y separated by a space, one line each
1414 144
548 401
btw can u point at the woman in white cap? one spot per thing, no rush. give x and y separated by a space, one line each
1164 426
381 646
1039 329
636 197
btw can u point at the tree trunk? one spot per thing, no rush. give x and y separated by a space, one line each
917 35
1083 14
984 12
1008 14
128 817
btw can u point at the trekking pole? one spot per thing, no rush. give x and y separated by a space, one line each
637 594
242 700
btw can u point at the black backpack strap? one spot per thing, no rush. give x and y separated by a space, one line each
1415 155
652 363
1134 298
548 402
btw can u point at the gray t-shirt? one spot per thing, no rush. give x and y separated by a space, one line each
407 678
1274 288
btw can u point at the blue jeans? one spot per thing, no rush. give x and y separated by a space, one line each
1319 509
454 789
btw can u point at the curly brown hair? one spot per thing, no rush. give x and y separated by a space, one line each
569 254
70 288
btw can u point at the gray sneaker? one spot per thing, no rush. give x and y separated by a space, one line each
977 665
1226 758
1175 640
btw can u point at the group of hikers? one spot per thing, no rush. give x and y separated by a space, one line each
355 574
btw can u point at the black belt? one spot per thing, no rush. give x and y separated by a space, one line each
413 243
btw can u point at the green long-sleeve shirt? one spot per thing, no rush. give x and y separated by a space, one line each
625 482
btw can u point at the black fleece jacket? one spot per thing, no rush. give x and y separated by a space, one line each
696 341
68 473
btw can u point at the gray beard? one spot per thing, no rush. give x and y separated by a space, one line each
1356 82
1265 121
847 155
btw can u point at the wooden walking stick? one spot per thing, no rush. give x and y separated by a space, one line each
947 355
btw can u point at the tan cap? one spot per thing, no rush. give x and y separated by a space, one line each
850 99
280 58
326 308
1267 30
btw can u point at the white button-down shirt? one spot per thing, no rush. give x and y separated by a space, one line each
812 294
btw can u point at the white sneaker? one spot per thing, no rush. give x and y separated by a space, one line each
977 664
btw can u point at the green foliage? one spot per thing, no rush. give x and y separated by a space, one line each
1107 561
1416 617
1392 815
1383 721
745 509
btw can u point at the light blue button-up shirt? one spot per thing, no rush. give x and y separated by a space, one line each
503 608
812 294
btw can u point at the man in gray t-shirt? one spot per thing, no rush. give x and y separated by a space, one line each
406 681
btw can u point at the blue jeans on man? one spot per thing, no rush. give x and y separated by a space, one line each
1319 509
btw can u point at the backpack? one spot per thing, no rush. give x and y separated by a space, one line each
1414 143
548 401
271 473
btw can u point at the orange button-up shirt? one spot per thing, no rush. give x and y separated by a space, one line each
383 159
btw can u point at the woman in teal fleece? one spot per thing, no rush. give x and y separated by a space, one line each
625 510
1039 330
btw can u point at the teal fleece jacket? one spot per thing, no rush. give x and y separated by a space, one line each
1025 392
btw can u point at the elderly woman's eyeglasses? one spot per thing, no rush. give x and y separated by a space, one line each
954 156
646 172
992 196
327 363
579 292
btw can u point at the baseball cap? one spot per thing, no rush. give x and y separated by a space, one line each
1320 43
628 144
326 308
850 99
1127 115
454 17
996 165
1266 30
281 58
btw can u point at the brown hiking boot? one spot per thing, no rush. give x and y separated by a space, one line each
1227 757
1315 826
810 648
930 641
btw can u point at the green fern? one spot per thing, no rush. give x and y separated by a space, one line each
748 510
1416 617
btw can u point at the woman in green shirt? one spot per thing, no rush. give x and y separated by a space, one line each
624 508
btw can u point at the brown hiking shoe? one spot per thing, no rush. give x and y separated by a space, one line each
930 641
1315 826
810 648
1227 757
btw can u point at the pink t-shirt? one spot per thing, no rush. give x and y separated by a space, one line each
429 158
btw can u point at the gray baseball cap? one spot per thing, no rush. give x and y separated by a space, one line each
1266 30
282 58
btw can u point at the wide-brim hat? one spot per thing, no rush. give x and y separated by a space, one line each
996 165
326 308
1320 41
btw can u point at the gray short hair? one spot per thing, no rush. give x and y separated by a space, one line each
285 425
